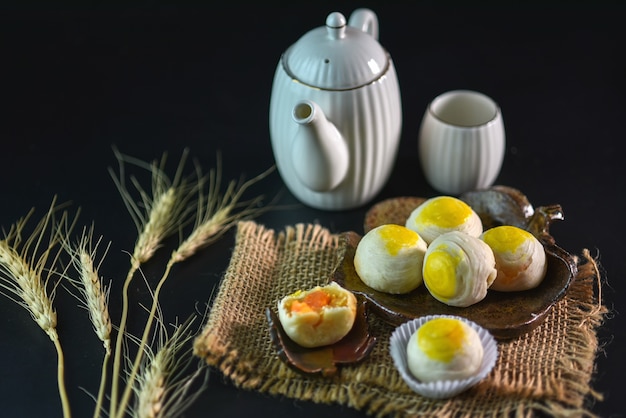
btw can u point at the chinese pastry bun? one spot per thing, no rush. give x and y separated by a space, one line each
319 316
442 214
520 258
440 389
458 269
444 348
389 259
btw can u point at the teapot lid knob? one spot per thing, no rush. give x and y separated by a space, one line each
336 25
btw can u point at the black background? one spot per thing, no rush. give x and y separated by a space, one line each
158 77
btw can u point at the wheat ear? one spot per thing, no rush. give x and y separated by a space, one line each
162 388
25 272
157 215
218 211
94 296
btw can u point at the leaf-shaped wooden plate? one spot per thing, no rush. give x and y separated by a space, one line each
353 348
505 314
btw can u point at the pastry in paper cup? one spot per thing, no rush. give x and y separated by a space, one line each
440 389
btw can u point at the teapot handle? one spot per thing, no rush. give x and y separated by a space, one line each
366 20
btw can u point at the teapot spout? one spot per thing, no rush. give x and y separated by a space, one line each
319 152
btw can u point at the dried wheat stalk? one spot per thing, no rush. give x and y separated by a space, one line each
93 296
156 215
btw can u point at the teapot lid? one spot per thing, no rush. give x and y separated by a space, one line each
337 56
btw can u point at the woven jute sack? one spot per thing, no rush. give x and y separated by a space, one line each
546 371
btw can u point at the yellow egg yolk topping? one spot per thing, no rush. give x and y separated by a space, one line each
312 302
441 338
506 238
445 211
440 272
397 237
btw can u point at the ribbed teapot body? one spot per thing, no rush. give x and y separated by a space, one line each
369 119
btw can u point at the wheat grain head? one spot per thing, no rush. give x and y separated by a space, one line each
26 287
160 213
26 267
219 211
94 295
163 387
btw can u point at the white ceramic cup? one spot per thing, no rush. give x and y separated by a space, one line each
461 142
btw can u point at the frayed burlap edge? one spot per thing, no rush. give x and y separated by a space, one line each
235 339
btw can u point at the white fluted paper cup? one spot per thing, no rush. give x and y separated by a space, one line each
441 389
461 142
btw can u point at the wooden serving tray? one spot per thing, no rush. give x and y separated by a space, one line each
505 314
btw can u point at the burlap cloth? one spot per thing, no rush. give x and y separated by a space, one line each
548 370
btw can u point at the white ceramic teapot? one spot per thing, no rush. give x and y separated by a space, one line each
336 113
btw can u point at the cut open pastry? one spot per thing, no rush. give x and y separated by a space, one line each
319 316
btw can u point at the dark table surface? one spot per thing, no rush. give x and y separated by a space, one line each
160 78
